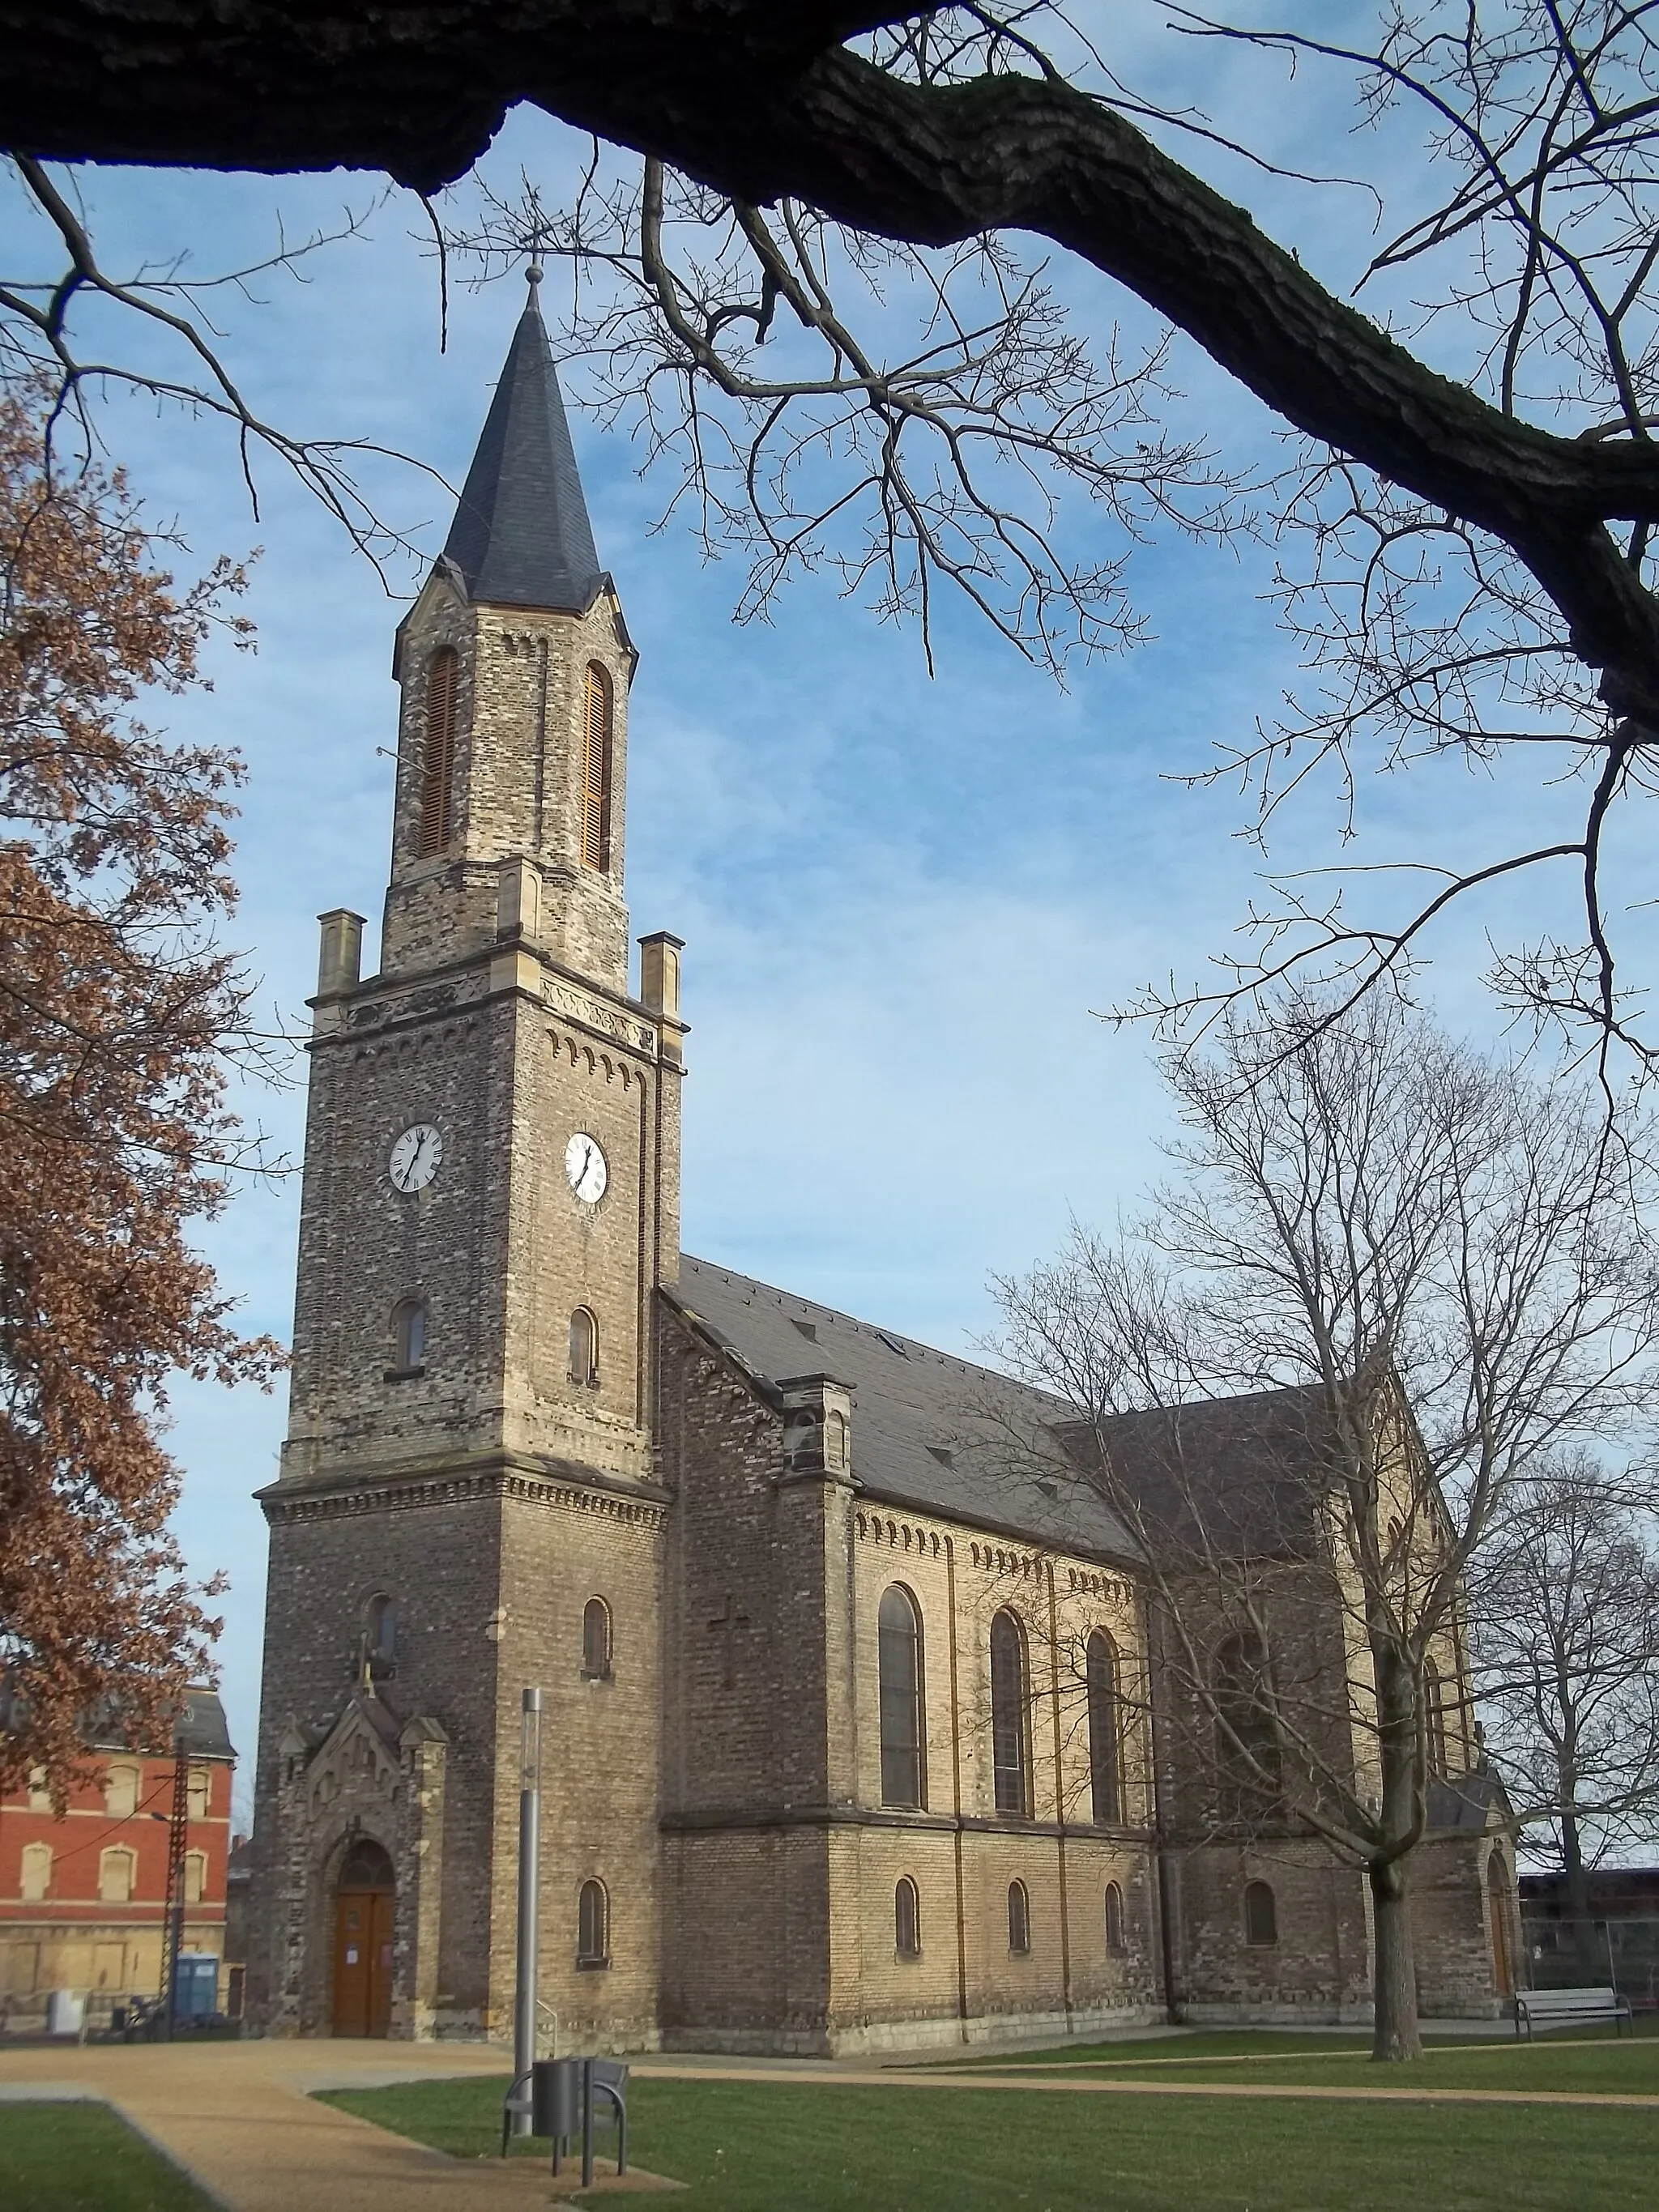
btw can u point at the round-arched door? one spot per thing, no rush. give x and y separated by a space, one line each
362 1941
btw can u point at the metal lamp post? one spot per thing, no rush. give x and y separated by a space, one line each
530 1837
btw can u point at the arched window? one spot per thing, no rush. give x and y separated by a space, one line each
195 1876
596 769
1019 1918
115 1876
121 1791
36 1873
1434 1718
898 1654
592 1926
380 1632
1105 1729
1010 1766
1247 1738
438 754
1260 1914
199 1791
584 1348
835 1439
596 1639
1116 1941
409 1335
907 1919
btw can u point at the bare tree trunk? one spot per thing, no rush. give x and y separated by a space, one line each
1395 2035
1591 1964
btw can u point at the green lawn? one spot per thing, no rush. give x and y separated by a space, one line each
1589 2060
1200 2044
81 2158
747 2147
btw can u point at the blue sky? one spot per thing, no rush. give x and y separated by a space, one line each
905 900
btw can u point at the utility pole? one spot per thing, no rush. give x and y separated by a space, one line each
530 1844
178 1829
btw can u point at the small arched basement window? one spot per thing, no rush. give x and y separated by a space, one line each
1010 1766
907 1919
596 1639
1260 1914
438 753
1116 1940
409 1335
584 1349
596 769
592 1926
898 1665
1105 1731
1019 1918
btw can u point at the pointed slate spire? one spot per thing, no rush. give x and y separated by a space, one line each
521 536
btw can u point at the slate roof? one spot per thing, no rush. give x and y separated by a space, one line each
521 536
205 1731
1473 1802
929 1432
1239 1476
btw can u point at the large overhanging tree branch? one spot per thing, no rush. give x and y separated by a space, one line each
1477 522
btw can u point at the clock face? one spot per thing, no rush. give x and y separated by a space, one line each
415 1157
585 1168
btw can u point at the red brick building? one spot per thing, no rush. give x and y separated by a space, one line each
83 1892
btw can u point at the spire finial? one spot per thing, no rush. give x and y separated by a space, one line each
532 276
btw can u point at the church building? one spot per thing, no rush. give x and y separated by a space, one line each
851 1735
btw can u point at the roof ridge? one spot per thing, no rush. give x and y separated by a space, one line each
853 1320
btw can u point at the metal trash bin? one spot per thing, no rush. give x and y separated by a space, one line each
556 2096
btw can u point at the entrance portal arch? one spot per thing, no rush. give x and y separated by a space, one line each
1497 1903
362 1940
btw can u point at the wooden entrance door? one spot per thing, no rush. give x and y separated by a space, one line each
362 1962
363 1942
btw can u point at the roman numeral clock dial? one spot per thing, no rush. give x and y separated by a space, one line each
415 1157
585 1168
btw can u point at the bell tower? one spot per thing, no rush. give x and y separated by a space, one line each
491 1201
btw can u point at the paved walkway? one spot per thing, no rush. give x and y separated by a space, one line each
239 2118
242 2120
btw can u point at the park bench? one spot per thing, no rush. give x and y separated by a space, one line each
1567 2009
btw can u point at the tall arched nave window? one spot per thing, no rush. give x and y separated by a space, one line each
898 1648
1247 1753
1105 1729
1010 1749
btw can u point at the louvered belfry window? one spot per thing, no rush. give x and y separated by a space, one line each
596 769
438 760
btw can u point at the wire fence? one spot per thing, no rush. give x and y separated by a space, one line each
1563 1953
